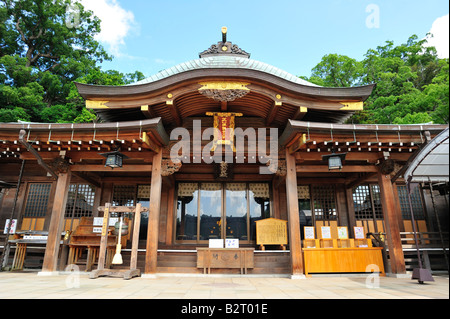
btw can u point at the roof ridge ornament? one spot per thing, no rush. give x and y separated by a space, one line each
224 47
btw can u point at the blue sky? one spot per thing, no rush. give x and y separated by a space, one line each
149 35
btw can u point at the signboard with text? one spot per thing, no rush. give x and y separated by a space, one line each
271 231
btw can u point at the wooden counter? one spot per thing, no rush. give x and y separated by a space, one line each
342 260
241 258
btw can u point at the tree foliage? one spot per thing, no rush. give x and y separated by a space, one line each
44 49
42 52
412 82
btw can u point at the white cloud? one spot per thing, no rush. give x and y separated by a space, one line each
163 61
440 41
116 23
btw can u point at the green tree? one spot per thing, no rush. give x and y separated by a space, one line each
337 71
412 82
45 46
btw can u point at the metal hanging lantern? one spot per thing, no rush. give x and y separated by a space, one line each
335 161
114 159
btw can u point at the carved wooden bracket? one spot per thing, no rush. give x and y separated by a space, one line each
224 91
277 167
223 171
169 168
60 165
224 95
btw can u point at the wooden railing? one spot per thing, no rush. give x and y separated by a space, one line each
429 243
425 240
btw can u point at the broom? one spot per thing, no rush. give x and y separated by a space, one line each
117 260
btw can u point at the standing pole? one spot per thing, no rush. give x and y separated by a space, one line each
420 273
4 257
413 222
438 224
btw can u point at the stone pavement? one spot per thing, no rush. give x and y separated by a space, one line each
28 285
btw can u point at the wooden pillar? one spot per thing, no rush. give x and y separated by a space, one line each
295 242
151 255
171 210
351 211
56 223
401 224
276 201
390 213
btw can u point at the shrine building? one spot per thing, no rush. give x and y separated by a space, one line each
222 152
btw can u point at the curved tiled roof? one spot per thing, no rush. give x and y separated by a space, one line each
224 62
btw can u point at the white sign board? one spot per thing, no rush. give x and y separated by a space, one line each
13 227
342 232
326 232
31 237
231 243
309 232
359 232
98 221
97 230
216 243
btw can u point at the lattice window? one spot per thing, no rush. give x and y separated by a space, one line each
376 197
416 201
324 199
37 200
80 201
303 192
367 202
124 195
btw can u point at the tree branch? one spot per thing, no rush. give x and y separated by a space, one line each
20 30
35 37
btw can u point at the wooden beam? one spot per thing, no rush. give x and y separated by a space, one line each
88 179
102 168
298 143
171 106
90 104
122 209
295 244
300 114
352 106
345 169
369 157
151 255
35 154
49 265
390 213
77 156
150 142
46 156
360 180
273 113
223 106
148 111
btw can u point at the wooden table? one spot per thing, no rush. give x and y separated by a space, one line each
343 260
234 258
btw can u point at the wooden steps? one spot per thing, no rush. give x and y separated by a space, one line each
186 262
